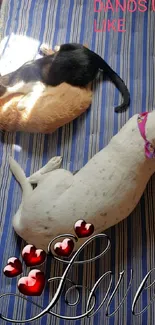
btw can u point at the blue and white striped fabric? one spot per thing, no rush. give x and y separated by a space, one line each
24 25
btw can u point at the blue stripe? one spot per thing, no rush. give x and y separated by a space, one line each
58 14
132 46
59 142
30 21
118 61
10 13
84 11
30 150
74 146
43 21
144 62
17 17
44 159
69 24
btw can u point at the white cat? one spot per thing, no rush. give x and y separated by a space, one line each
103 192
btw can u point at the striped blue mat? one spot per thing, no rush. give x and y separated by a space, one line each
24 25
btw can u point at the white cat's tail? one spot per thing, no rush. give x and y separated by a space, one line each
20 177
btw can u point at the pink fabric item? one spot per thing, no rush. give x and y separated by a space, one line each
149 150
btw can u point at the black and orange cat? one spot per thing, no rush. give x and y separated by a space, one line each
72 63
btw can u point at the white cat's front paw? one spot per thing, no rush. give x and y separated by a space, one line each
53 164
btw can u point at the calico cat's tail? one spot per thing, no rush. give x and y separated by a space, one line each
119 83
94 63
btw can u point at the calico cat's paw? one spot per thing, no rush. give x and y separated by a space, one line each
45 49
21 104
56 48
25 102
29 100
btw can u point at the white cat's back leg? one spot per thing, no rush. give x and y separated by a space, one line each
53 164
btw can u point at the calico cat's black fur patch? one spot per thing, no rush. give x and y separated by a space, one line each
73 64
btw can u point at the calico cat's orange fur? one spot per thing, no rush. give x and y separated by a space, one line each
55 107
